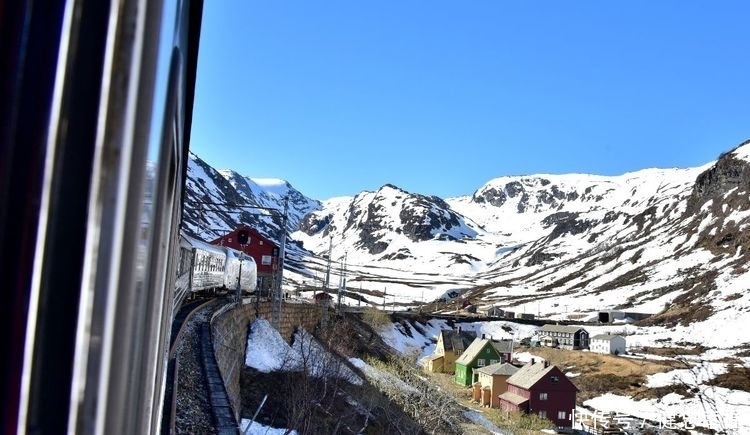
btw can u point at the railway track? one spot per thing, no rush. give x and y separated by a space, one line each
189 346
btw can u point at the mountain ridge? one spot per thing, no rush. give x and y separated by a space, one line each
671 242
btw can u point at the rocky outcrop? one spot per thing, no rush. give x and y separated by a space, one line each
728 173
314 223
377 217
371 229
566 223
539 257
534 194
423 217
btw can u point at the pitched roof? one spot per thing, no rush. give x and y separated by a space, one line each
607 337
253 234
528 375
560 328
498 369
322 295
471 351
457 340
500 346
513 398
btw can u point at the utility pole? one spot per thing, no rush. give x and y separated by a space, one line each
345 255
276 297
242 235
342 282
239 283
328 269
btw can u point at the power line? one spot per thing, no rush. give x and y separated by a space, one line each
232 205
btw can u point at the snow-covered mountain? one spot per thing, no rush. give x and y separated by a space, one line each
672 243
218 201
668 241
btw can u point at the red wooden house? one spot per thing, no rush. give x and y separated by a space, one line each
542 389
264 252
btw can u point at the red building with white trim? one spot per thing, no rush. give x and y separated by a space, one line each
542 389
264 252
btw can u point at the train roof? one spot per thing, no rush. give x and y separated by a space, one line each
198 243
236 254
203 245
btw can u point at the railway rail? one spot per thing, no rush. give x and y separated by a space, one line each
195 400
170 402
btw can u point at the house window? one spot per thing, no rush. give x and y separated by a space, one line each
543 414
260 242
266 260
554 378
480 362
542 396
561 415
493 361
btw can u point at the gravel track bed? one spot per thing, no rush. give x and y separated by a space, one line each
193 409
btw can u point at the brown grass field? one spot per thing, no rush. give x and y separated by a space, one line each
601 374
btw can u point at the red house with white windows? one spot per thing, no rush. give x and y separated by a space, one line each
542 389
264 252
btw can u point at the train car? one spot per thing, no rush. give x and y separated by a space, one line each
183 281
240 268
95 118
213 268
209 266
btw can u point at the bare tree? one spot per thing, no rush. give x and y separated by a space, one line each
319 392
432 409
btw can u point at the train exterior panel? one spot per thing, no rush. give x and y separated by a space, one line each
218 267
240 267
94 138
208 270
183 283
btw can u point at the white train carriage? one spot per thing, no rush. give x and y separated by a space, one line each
207 268
240 267
185 256
208 265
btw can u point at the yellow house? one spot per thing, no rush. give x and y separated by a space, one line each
451 343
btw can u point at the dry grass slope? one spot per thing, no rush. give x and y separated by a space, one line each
600 373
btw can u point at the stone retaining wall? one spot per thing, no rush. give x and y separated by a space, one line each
229 329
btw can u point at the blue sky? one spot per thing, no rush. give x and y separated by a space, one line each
439 97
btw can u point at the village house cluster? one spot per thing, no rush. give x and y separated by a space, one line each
486 365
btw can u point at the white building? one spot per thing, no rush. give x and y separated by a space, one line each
607 343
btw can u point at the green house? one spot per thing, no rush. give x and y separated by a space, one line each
482 352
